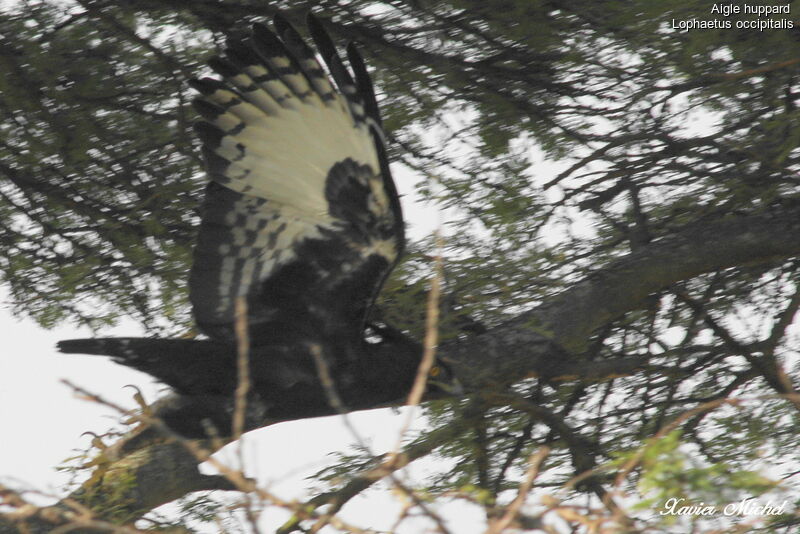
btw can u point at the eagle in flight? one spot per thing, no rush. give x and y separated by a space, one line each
302 220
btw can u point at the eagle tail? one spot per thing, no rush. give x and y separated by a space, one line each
188 365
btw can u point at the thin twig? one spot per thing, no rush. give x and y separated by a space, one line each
240 397
429 345
512 510
242 367
431 328
393 460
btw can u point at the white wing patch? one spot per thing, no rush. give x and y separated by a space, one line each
285 156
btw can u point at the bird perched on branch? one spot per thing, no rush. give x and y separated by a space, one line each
302 220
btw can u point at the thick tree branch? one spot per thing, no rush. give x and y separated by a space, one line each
547 340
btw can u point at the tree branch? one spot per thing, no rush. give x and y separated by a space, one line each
547 340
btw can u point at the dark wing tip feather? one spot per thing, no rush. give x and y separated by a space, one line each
240 54
291 37
223 67
280 22
216 165
266 42
339 72
320 37
206 109
364 82
283 27
207 86
209 134
327 49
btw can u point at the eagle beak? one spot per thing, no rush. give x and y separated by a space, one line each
451 387
456 388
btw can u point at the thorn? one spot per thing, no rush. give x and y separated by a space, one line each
140 400
97 442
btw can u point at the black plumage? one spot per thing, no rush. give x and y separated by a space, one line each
302 220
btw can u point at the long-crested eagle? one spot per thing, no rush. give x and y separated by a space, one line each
301 219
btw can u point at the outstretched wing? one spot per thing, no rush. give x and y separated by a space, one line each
301 216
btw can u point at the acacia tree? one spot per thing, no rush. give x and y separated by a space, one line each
631 314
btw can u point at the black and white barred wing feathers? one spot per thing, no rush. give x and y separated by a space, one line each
301 216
